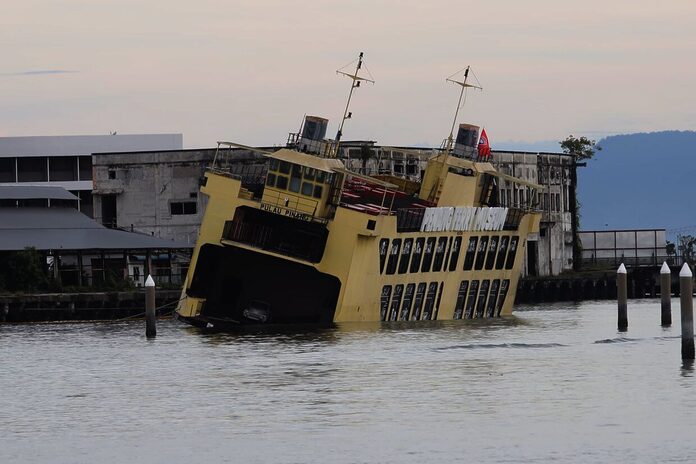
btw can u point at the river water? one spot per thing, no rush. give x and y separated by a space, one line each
554 383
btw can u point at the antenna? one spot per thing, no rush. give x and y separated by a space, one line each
464 85
356 83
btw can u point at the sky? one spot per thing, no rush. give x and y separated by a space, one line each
247 71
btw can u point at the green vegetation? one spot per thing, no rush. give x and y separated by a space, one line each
582 148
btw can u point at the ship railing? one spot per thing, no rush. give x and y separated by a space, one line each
306 242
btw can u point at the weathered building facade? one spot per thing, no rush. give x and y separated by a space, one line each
157 192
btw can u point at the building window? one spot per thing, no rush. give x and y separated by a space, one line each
85 163
33 169
112 174
7 170
177 208
62 168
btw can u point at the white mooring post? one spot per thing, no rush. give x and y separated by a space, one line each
622 294
666 294
686 289
150 320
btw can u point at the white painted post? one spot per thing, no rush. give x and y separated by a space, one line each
622 294
150 320
686 289
666 294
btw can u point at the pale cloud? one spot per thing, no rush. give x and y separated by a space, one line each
249 70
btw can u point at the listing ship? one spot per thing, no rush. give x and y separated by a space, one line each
316 243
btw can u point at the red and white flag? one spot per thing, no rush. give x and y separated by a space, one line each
484 148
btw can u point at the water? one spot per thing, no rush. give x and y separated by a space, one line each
554 383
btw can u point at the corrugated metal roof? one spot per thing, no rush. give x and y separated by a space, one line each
68 229
31 192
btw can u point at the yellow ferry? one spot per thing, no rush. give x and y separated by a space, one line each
317 243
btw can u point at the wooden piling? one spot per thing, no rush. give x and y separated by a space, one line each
686 287
622 296
150 320
666 294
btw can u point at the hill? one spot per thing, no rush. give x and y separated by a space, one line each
640 181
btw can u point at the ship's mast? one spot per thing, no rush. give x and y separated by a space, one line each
346 114
464 85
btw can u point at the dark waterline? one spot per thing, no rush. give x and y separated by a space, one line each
554 383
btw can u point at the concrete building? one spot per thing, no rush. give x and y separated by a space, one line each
66 161
156 192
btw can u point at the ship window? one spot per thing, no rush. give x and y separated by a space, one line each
429 301
510 262
492 250
273 165
282 182
307 188
308 173
439 253
384 302
481 305
504 286
396 302
417 254
405 255
439 299
383 247
454 256
317 191
270 180
428 254
294 184
447 254
408 299
461 298
418 301
393 256
493 298
470 254
284 167
471 301
481 253
296 170
321 175
502 252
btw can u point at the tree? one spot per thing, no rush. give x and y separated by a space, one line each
582 148
686 248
